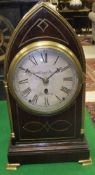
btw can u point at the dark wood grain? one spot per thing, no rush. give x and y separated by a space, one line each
60 31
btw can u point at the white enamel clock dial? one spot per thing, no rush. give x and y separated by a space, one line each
45 77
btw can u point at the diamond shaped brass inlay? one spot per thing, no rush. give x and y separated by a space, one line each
43 25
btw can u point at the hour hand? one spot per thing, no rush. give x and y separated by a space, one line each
28 71
56 71
59 69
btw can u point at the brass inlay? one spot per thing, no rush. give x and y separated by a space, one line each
39 21
8 104
39 126
43 25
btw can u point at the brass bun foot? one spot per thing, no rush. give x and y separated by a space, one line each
12 166
86 162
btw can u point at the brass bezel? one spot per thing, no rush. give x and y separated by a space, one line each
44 44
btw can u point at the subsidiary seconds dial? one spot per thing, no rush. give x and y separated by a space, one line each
45 77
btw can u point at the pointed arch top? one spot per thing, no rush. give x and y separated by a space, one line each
43 22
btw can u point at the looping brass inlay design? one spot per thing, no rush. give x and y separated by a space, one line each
57 126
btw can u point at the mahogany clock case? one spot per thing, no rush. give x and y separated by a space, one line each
46 144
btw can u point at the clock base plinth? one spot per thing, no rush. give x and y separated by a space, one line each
48 152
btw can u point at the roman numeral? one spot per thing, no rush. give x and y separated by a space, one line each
65 68
46 102
56 60
66 90
58 98
68 79
34 100
63 98
33 60
26 92
22 68
23 81
26 70
44 57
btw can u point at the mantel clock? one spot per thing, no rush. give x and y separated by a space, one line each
45 86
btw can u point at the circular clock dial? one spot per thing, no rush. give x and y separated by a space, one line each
6 30
45 77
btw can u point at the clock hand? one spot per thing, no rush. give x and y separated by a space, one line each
35 75
28 71
57 70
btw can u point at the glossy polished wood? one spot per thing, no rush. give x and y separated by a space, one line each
48 143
